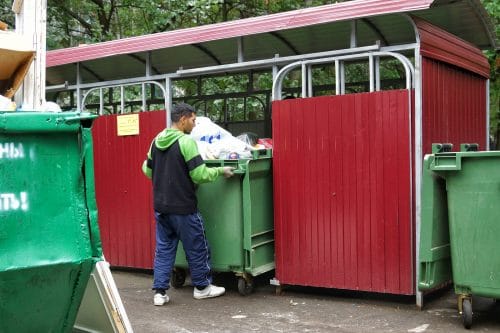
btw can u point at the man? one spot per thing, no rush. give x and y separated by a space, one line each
176 167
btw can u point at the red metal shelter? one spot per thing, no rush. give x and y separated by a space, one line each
346 166
347 169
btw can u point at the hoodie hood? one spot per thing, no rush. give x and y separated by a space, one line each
167 137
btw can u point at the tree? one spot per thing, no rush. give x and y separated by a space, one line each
493 8
73 22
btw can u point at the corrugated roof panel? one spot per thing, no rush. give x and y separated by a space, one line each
237 28
443 46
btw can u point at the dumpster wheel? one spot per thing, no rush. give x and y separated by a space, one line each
178 277
467 312
245 285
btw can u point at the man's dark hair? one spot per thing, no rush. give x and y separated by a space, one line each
179 110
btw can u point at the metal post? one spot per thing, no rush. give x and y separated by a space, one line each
304 80
148 64
122 100
168 98
418 166
241 57
101 102
377 73
143 89
342 78
78 89
354 32
309 82
337 77
371 71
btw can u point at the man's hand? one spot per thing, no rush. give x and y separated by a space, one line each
228 171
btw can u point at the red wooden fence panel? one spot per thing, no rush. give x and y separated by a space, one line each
342 186
123 193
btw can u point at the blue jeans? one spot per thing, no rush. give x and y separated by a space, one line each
189 229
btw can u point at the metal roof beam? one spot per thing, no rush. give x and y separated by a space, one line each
284 41
91 72
376 30
144 62
207 52
273 61
257 64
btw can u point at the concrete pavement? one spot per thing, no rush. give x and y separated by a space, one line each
298 309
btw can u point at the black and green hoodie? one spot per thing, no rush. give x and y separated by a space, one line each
175 166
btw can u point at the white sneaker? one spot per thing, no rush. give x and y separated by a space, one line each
208 292
160 299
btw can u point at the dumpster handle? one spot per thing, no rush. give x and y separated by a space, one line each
239 171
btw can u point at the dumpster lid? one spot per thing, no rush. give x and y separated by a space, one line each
20 122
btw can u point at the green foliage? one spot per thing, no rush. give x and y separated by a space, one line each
73 22
493 9
6 14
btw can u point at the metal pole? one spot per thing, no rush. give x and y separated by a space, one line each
143 88
377 73
122 99
304 80
79 100
168 98
337 77
354 30
371 72
309 81
342 78
101 102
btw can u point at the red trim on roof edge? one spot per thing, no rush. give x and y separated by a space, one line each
237 28
438 44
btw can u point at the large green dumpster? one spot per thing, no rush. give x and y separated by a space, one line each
461 225
49 239
238 215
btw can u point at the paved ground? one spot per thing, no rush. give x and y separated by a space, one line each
298 309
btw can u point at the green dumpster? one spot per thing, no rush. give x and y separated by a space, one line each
460 225
238 215
49 238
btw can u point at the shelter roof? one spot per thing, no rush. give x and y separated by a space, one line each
308 30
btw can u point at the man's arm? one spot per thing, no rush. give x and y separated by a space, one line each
147 165
198 170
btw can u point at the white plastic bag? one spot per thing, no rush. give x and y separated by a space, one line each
214 142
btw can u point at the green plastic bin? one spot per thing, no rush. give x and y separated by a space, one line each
460 229
49 238
238 215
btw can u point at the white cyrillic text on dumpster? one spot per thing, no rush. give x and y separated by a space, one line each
13 201
11 150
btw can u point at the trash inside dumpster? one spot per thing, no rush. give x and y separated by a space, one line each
460 224
49 237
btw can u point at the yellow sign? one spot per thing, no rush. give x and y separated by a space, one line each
127 125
